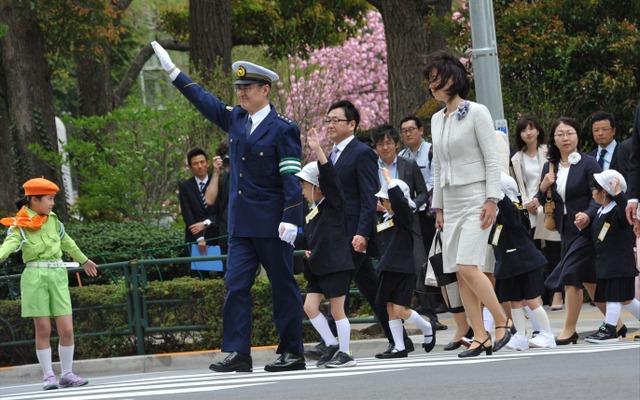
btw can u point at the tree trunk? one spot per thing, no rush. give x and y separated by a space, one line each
210 39
409 41
95 91
29 101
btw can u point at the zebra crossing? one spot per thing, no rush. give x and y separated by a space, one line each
164 385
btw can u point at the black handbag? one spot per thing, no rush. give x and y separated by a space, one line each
437 265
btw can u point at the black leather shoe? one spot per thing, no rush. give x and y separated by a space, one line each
393 354
408 346
439 326
389 349
287 362
453 345
571 339
429 346
475 352
235 362
509 330
316 352
623 331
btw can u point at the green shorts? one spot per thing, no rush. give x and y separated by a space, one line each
45 292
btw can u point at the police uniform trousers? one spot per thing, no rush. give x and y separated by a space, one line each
276 256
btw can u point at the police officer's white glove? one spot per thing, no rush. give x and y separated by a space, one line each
287 232
163 56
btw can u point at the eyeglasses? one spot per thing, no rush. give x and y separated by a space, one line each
333 121
565 134
246 88
388 143
409 130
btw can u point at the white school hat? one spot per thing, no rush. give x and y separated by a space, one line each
607 179
310 173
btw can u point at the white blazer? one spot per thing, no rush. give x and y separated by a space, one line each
516 173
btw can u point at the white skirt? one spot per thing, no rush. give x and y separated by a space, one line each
464 242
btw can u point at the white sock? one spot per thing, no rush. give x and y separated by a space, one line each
66 358
533 319
517 316
344 334
542 320
487 317
613 313
425 327
322 326
395 325
44 358
634 308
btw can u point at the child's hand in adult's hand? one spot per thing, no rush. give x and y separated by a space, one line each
90 268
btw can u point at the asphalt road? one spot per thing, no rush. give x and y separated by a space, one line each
583 371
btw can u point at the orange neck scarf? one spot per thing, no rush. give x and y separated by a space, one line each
22 219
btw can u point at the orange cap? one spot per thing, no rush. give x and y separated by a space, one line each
39 186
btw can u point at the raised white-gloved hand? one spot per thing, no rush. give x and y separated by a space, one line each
163 56
287 232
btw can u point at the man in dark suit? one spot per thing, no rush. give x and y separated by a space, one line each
198 217
633 182
265 210
603 128
386 140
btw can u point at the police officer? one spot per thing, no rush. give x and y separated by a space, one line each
265 210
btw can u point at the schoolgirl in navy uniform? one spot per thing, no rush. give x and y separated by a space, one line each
394 240
330 265
615 261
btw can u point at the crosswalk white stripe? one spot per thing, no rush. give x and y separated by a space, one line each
207 381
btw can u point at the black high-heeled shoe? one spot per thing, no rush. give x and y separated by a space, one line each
571 339
456 345
510 330
623 331
478 350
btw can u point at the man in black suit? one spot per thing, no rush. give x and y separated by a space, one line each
603 128
633 181
356 168
386 141
198 217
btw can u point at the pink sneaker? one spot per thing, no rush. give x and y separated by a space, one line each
49 382
70 380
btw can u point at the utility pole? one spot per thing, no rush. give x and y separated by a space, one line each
485 60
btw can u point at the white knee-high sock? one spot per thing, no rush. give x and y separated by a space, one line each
487 317
532 318
417 320
395 325
634 308
613 313
322 326
542 319
44 359
344 334
517 315
66 358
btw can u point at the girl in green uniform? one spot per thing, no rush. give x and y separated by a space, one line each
44 284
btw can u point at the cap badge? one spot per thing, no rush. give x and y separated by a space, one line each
241 71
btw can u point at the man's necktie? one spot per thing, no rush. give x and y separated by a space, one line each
601 159
334 154
204 201
247 127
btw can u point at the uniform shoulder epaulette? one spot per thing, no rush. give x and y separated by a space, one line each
284 118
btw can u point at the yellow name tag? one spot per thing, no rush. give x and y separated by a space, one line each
312 214
384 225
603 231
496 235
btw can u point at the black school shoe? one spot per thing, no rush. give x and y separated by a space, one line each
606 334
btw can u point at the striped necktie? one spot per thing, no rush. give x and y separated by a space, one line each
204 201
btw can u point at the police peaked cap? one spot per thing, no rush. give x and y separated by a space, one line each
248 73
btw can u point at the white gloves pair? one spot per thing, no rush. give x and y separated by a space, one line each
163 56
287 232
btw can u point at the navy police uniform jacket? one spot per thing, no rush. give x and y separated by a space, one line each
395 242
614 240
325 230
513 247
263 190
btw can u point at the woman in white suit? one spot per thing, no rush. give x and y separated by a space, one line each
466 191
527 165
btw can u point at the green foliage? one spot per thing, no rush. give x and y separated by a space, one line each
3 30
203 306
284 27
129 162
567 57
